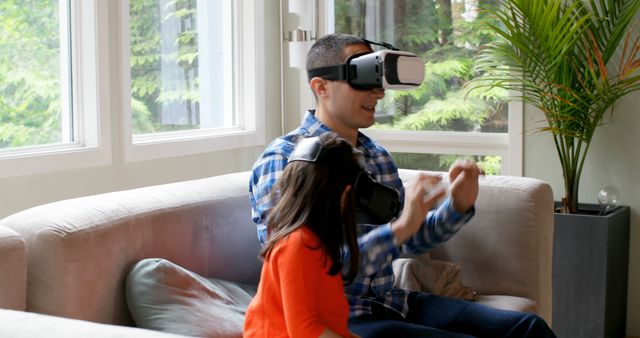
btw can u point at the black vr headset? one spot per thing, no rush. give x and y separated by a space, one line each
376 202
387 69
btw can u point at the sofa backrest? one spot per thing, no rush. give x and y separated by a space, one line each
80 250
506 248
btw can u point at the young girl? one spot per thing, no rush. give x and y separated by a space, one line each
301 285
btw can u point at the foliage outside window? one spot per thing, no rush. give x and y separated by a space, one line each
31 85
447 35
168 77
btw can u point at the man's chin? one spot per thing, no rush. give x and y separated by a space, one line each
368 124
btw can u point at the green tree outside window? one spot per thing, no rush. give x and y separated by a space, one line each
447 35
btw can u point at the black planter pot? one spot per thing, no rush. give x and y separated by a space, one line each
590 269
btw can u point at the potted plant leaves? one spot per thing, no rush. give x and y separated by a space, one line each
572 60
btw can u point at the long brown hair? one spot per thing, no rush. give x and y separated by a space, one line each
310 193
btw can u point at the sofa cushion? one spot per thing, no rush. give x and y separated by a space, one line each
438 277
20 324
166 297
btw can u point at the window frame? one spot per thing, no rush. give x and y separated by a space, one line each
506 145
249 99
89 78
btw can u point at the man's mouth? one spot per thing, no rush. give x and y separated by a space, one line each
369 107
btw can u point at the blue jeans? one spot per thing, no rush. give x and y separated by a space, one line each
440 317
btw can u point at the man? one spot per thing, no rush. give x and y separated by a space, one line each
377 308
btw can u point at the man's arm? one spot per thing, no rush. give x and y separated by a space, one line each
440 225
266 171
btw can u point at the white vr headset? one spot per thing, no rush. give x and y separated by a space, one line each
388 69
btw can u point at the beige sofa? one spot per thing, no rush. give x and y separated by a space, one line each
80 250
13 270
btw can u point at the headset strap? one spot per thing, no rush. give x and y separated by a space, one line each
335 73
381 44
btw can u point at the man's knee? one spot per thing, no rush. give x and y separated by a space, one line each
533 325
379 327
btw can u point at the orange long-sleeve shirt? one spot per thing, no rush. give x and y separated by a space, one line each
296 296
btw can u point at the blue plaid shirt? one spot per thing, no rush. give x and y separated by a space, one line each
374 283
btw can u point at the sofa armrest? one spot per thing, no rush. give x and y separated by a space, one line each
80 250
506 248
13 270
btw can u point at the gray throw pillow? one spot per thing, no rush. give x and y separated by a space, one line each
166 297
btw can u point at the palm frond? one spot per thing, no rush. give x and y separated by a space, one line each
557 54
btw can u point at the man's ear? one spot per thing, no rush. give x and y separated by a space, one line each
319 86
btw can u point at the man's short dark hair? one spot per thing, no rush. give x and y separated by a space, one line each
329 50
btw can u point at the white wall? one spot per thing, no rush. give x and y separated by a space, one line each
17 193
614 159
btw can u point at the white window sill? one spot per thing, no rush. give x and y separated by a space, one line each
38 160
170 145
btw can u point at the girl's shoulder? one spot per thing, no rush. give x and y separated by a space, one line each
304 235
302 238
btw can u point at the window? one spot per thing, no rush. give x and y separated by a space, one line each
49 106
34 66
189 76
431 126
192 67
447 34
180 65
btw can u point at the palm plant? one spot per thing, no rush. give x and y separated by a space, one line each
559 54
